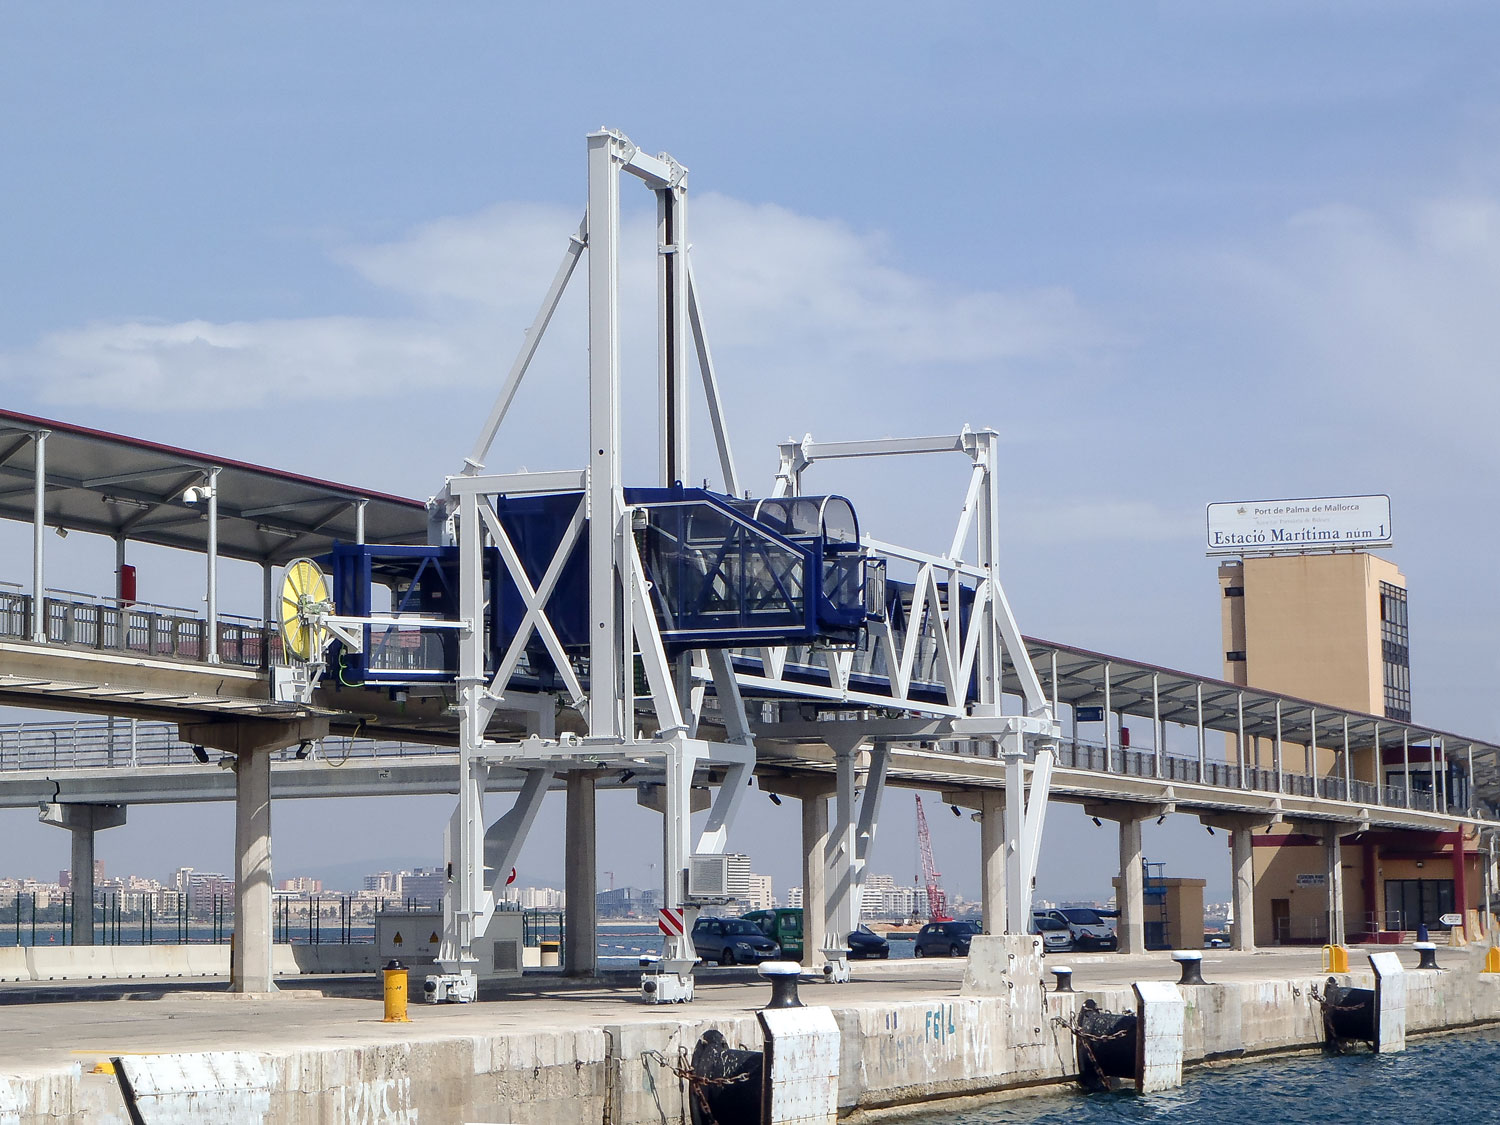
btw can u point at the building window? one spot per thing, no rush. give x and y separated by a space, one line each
1234 591
1395 652
1235 655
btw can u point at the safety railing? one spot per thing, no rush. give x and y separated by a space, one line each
128 743
1127 762
85 621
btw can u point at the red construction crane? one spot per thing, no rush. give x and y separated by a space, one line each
937 901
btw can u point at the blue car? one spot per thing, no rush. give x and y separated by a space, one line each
733 941
944 939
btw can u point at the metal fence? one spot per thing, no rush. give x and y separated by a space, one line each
126 743
83 621
1126 762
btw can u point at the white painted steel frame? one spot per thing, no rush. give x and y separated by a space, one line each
622 625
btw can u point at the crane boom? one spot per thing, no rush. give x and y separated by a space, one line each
937 901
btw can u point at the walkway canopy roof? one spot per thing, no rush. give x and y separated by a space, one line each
1077 677
127 488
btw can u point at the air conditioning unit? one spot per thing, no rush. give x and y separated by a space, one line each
718 877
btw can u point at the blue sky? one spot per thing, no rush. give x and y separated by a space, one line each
1175 253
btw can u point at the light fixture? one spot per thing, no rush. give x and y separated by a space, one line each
626 775
62 532
304 748
201 754
956 810
775 799
1097 822
128 502
1161 818
1210 828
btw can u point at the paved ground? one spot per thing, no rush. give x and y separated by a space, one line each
43 1026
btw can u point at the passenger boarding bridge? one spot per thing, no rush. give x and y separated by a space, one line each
538 631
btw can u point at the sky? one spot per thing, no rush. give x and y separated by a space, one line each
1173 252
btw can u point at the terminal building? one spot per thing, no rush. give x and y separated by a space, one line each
1332 628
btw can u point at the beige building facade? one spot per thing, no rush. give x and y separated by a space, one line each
1333 629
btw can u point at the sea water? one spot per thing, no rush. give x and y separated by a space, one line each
1442 1078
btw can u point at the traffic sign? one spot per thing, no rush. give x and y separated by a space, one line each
669 921
1451 920
1088 714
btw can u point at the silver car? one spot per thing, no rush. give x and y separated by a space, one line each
1055 935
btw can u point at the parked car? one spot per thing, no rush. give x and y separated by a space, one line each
944 939
1055 935
866 943
783 925
733 941
1089 928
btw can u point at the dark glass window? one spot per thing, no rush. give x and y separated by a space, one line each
1395 652
1234 591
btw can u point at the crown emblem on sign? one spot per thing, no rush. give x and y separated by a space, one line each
1240 511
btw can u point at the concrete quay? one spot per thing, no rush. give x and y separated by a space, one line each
547 1050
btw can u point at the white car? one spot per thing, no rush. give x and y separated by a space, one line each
1054 933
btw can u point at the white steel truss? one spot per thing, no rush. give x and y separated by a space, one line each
918 661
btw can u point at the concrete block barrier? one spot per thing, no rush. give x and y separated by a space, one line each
77 962
13 964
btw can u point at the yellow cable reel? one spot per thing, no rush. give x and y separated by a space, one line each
304 596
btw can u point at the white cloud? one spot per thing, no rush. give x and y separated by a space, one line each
806 299
1394 318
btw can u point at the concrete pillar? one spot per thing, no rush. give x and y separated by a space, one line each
252 742
250 947
580 858
1132 895
992 858
1335 880
83 821
814 889
1242 891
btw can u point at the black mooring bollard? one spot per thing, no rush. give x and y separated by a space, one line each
1064 977
1192 966
1427 951
783 977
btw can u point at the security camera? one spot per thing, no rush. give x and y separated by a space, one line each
194 494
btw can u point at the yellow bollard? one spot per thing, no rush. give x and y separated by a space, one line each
395 993
1335 959
1492 960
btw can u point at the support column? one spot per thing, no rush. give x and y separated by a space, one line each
83 821
1241 827
250 946
580 858
252 742
992 859
1132 895
211 555
38 542
1242 890
814 883
1334 860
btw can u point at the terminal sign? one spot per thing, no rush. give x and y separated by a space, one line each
1330 523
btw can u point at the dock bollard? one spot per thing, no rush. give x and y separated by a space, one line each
395 993
1192 966
1427 951
1064 977
783 977
1492 960
1335 959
